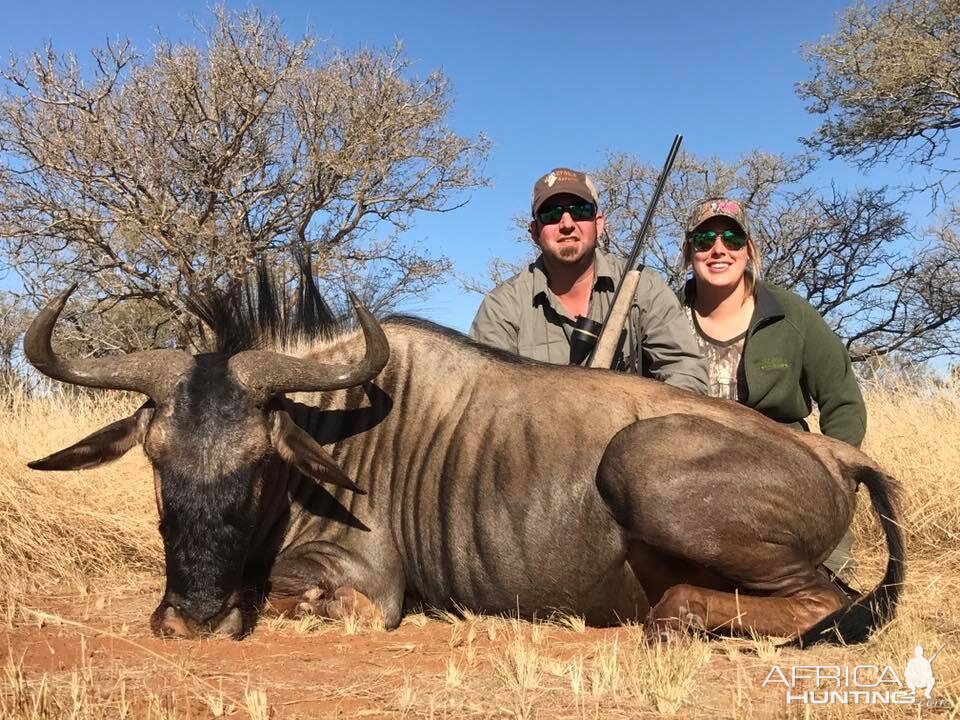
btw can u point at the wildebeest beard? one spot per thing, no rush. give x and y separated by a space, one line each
208 506
206 531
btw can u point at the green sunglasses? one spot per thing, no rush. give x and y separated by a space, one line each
705 239
578 211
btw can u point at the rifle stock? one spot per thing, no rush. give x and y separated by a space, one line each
616 319
609 339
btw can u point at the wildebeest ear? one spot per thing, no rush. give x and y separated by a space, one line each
103 446
297 448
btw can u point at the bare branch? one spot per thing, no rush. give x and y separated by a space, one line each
145 178
888 83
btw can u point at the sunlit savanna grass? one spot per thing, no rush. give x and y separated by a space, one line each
91 537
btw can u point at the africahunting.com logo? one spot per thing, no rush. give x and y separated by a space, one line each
860 684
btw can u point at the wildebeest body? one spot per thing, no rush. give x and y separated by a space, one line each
472 502
491 483
468 501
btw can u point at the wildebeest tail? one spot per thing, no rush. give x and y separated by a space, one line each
854 623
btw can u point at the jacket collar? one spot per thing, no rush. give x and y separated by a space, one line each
768 306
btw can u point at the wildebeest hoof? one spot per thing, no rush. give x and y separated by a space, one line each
682 608
347 601
311 602
343 602
667 629
693 623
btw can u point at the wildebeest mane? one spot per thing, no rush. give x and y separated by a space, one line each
263 311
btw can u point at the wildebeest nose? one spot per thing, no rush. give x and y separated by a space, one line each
171 621
167 621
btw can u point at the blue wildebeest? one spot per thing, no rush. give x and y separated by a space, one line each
489 482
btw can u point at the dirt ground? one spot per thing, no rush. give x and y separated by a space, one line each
93 656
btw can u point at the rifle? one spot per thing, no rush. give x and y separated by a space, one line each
607 336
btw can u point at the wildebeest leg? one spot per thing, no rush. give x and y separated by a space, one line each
325 579
688 606
338 604
706 509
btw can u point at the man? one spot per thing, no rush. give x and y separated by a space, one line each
533 313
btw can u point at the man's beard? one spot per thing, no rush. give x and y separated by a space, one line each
568 252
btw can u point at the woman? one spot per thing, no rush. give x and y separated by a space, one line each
765 346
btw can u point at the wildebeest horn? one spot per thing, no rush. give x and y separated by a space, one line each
151 372
278 373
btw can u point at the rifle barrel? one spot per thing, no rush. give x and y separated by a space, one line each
644 227
654 200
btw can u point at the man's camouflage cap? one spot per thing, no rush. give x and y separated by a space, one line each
718 207
563 180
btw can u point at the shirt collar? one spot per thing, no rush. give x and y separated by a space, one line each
603 267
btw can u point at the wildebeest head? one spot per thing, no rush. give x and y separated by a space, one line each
211 425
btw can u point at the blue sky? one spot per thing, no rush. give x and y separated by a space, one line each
550 84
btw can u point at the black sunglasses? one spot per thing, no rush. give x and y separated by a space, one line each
705 239
578 211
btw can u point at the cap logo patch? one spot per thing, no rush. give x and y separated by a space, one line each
550 179
727 207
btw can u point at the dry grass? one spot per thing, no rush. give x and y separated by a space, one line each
74 547
59 531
